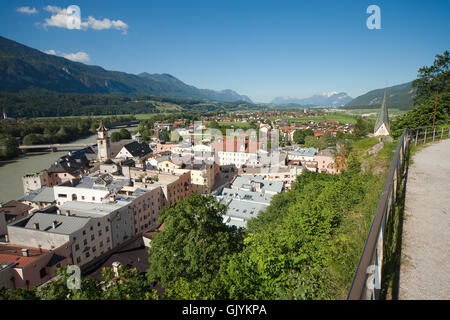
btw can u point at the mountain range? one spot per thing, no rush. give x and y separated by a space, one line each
24 69
399 96
330 99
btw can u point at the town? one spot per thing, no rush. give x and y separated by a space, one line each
95 203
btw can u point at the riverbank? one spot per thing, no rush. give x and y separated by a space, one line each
12 171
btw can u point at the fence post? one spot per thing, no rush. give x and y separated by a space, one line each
417 135
425 138
434 130
442 132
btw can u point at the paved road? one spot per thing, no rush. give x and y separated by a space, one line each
425 269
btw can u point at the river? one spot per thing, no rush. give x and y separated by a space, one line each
11 171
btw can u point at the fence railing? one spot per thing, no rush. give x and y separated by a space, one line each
427 134
367 280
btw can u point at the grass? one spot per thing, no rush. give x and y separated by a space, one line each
365 143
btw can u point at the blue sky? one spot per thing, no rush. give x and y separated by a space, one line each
259 48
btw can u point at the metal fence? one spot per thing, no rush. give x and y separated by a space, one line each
367 280
427 134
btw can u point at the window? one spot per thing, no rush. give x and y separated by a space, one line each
99 233
87 254
84 232
92 237
78 260
42 273
101 244
85 242
107 228
77 247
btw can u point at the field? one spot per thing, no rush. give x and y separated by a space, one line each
339 117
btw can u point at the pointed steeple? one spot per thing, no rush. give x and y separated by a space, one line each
383 118
102 127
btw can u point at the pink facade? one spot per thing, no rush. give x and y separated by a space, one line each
162 147
34 266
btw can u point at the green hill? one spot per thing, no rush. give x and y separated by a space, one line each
24 69
400 97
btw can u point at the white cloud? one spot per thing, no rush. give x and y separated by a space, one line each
27 10
79 56
64 18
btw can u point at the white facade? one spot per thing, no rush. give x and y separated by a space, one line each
382 131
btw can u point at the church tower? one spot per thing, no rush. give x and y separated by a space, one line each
103 144
382 124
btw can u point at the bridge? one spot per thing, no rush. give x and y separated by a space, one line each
406 253
56 146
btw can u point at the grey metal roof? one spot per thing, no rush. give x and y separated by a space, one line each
112 184
304 152
64 224
228 194
383 116
246 181
91 209
43 194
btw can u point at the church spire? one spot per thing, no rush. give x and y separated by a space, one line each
382 124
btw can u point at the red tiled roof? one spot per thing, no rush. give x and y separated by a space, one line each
13 254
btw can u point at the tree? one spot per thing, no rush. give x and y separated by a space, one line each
422 116
312 142
11 149
362 128
165 135
115 136
299 135
435 78
124 134
188 254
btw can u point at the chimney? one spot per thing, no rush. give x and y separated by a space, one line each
54 224
6 238
68 213
25 252
36 225
58 211
115 266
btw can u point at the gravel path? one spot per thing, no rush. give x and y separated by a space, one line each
425 268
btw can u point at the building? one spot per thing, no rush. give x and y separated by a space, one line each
258 184
166 146
326 162
382 125
174 185
71 166
302 154
26 267
38 199
10 212
286 174
236 152
242 205
202 174
103 143
135 151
